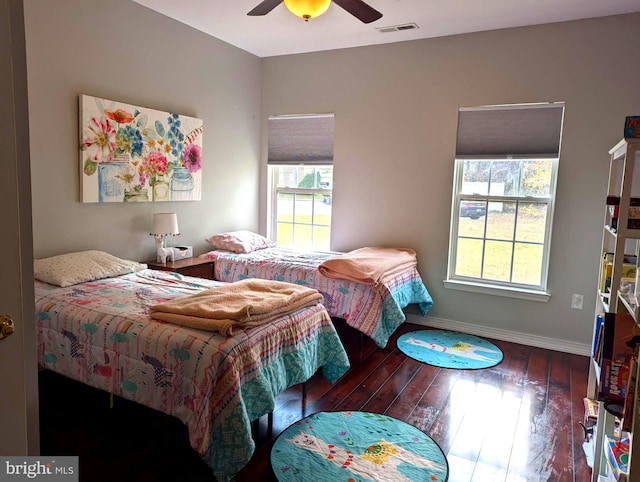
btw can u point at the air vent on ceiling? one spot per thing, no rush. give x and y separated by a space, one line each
398 28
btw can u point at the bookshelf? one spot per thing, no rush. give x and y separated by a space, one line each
617 304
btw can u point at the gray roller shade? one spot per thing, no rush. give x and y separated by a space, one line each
301 139
510 131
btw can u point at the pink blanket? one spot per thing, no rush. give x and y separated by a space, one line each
370 265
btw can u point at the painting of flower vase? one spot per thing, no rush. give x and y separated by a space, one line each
136 154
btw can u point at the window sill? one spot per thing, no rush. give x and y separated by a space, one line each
531 295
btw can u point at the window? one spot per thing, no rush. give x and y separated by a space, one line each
504 190
301 179
302 214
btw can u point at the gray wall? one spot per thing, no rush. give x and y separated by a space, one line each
396 108
123 51
396 113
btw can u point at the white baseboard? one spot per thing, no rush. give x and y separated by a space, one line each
499 334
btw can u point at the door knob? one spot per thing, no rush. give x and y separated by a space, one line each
6 326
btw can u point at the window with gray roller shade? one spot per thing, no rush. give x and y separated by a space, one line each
304 139
518 131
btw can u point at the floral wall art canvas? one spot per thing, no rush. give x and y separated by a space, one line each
135 154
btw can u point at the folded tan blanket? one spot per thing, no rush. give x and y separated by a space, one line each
238 305
370 265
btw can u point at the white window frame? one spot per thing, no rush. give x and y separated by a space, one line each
496 287
274 190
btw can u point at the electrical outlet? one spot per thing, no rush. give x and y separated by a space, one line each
576 301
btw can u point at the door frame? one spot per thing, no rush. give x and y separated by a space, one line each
18 353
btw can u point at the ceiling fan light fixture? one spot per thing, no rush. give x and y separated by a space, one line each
307 8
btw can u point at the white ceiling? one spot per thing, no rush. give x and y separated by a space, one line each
280 32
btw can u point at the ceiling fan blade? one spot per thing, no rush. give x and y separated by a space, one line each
360 10
264 7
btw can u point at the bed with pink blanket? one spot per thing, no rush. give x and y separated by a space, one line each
100 333
372 306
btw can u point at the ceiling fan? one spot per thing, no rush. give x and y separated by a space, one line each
313 8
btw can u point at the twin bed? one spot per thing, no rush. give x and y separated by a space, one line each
95 327
374 310
100 333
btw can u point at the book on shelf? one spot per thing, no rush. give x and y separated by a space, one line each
632 126
615 375
633 220
617 455
626 424
590 411
620 336
604 349
597 336
606 270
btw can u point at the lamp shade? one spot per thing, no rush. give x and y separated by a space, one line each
307 8
164 224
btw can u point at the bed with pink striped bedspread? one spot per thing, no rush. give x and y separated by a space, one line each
100 334
375 311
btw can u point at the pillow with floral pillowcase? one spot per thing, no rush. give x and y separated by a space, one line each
78 267
239 241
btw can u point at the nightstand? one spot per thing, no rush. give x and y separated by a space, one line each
198 267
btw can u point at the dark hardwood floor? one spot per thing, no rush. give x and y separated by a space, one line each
515 422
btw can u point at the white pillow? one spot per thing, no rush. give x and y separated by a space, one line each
73 268
239 241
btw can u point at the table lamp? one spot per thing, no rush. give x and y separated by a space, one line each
164 224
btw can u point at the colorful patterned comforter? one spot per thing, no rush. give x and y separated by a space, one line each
376 312
100 333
